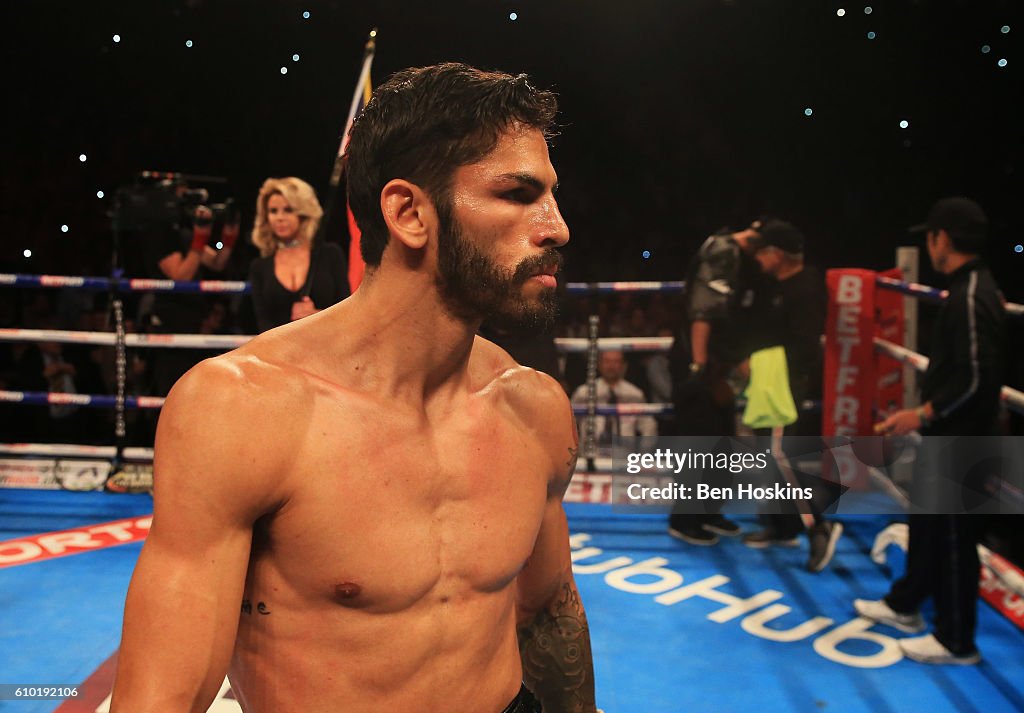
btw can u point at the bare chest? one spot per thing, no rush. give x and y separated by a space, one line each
384 518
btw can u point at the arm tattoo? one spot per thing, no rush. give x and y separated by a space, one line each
557 661
570 464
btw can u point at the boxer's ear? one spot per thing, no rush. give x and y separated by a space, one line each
409 213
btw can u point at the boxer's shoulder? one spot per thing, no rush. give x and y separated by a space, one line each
228 430
525 388
251 371
243 391
535 400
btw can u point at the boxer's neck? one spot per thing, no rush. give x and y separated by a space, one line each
418 347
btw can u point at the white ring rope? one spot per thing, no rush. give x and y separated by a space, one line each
231 341
636 286
576 345
932 294
604 409
65 450
180 341
1013 398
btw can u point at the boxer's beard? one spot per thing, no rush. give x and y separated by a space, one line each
475 287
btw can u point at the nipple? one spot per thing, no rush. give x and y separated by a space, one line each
347 590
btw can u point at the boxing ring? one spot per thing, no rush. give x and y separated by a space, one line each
674 628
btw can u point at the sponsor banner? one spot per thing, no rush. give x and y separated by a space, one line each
855 380
154 338
1002 585
221 286
60 397
849 379
888 371
144 284
60 281
589 488
149 401
765 615
53 474
31 473
73 542
82 474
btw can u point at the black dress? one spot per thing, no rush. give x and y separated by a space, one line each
272 301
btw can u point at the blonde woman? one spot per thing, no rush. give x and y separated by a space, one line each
293 278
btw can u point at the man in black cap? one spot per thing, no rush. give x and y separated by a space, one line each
960 397
795 320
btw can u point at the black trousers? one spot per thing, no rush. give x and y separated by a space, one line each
798 443
703 407
524 702
942 563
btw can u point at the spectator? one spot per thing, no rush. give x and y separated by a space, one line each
613 389
295 275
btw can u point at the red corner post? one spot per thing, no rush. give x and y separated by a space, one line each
858 384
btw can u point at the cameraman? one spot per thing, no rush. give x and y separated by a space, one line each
183 254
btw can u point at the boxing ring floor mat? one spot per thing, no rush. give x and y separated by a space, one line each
675 628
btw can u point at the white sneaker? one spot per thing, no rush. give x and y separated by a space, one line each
881 612
928 649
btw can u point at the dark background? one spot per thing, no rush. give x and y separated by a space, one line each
679 116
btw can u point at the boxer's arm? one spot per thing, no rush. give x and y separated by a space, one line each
182 610
554 639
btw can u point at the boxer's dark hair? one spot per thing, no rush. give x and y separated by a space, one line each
422 124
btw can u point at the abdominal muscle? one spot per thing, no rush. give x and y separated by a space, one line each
430 656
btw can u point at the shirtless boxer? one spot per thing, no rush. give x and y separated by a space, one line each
361 510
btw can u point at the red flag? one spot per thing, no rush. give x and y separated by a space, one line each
360 98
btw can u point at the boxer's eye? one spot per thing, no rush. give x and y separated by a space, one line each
518 195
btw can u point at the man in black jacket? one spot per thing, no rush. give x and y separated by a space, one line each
794 319
960 397
721 285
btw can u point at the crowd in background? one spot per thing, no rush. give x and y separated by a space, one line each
622 314
90 369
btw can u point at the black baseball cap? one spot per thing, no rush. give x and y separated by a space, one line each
780 234
958 216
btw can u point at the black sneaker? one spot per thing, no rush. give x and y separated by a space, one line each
768 537
721 525
694 535
823 537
